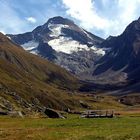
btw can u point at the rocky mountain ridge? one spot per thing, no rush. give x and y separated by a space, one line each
64 43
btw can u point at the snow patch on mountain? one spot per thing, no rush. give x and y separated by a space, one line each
34 51
30 45
68 46
9 37
56 29
87 34
99 51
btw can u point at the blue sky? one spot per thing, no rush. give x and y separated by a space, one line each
101 17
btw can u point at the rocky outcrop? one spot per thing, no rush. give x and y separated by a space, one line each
51 113
3 112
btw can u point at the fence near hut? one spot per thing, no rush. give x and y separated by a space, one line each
98 114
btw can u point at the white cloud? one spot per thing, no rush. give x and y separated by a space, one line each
102 17
31 19
85 12
91 17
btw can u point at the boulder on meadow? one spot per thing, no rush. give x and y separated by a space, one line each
3 113
51 113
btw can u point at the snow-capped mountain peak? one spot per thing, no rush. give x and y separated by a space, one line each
63 42
56 29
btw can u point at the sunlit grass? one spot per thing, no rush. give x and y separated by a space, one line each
73 128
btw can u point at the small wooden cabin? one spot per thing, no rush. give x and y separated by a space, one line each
98 114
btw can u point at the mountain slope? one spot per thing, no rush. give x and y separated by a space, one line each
28 82
63 42
121 65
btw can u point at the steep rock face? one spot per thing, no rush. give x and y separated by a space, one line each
63 42
122 63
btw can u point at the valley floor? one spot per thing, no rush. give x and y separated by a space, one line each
126 127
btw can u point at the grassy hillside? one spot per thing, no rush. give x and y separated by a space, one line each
28 81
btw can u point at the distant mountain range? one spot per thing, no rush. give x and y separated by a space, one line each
113 63
31 83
